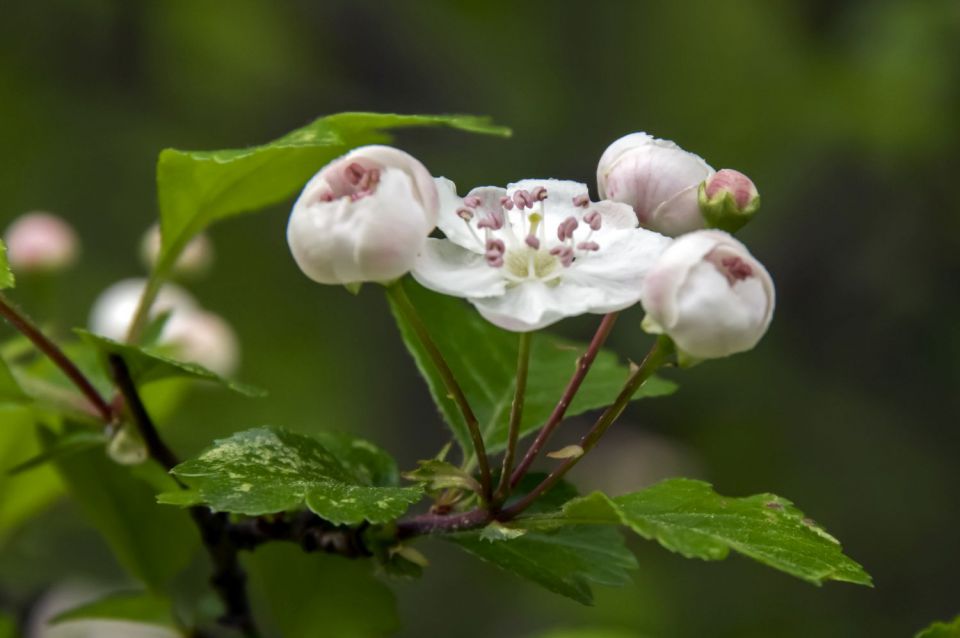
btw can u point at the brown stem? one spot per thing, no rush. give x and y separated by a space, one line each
655 358
56 355
583 367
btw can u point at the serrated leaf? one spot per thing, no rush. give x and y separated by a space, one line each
484 358
565 561
688 517
268 470
941 630
7 279
197 188
139 607
147 365
151 542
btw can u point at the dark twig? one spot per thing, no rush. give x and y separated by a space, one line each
228 579
26 327
309 531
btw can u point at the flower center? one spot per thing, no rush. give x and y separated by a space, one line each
730 265
515 236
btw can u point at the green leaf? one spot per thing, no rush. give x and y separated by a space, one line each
310 595
62 446
268 470
565 561
484 358
197 188
942 630
8 627
7 279
10 390
140 607
147 365
439 475
153 543
688 517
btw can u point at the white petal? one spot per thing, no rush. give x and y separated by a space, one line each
534 305
453 226
446 268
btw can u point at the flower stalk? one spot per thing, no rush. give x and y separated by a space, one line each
516 416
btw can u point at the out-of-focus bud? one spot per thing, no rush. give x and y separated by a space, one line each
728 199
204 338
195 260
658 179
41 242
127 447
709 294
363 217
113 310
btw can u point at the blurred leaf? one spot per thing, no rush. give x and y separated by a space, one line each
147 365
140 607
589 632
197 188
6 275
153 543
942 630
484 358
311 595
8 627
63 446
268 470
439 475
565 561
9 388
21 496
689 518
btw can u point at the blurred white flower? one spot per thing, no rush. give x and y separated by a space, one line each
41 242
658 179
709 294
193 334
363 217
195 259
536 252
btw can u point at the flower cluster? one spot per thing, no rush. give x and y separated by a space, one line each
540 250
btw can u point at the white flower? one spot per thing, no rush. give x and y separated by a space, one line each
536 252
363 217
658 179
41 241
195 259
192 333
709 294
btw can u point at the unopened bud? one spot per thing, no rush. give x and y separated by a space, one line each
195 260
728 199
202 337
41 242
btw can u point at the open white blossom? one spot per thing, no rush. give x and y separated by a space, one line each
536 252
709 294
658 179
363 217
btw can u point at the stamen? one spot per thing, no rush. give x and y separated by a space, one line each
539 194
564 254
523 199
369 180
566 228
326 196
494 253
506 202
582 200
472 201
736 268
532 241
593 220
354 173
465 214
588 245
493 221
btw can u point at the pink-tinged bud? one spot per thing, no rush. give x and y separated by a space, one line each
728 200
113 310
194 261
202 337
41 242
709 294
363 217
658 179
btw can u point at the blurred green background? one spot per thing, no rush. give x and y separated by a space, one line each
846 114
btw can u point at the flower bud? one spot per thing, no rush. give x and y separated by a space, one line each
709 294
41 242
658 179
113 310
195 260
363 217
202 337
728 199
